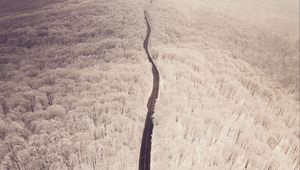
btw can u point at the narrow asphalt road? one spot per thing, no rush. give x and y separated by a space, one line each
145 152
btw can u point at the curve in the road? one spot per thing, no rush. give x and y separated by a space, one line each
145 152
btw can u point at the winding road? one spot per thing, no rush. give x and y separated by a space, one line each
145 152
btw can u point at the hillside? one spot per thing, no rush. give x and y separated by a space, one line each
74 86
75 82
229 96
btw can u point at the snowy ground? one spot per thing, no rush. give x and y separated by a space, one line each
74 86
230 84
75 80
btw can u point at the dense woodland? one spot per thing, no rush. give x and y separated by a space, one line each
75 80
74 86
230 84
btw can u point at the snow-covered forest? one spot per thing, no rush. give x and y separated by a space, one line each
75 80
229 94
74 85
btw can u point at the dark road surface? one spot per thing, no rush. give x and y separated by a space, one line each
145 152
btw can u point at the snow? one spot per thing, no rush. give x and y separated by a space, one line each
75 80
223 104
